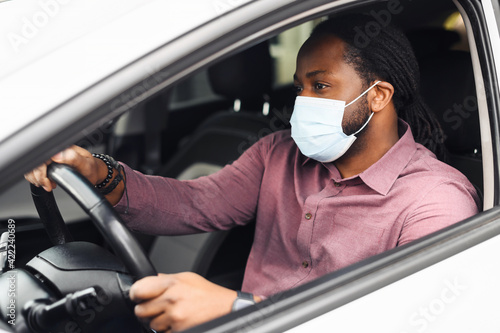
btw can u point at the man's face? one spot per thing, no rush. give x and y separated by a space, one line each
322 72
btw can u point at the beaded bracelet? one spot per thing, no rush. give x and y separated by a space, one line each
111 187
106 159
111 164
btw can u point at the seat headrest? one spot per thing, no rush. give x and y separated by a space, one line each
432 40
447 86
246 75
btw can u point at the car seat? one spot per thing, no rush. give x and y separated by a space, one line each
447 85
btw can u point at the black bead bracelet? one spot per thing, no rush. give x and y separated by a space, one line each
106 160
107 190
110 164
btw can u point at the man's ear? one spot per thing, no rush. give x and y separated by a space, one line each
380 96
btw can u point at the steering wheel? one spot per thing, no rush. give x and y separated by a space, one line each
104 216
77 284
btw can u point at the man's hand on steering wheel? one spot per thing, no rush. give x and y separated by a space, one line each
94 169
173 302
78 158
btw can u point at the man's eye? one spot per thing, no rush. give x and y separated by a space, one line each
297 89
319 86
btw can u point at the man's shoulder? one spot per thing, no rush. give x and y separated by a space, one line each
278 138
280 135
427 168
270 144
278 148
430 185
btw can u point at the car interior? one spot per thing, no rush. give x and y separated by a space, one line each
245 102
211 117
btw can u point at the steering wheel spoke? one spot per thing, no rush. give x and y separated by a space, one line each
104 216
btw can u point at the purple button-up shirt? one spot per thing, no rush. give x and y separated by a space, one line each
310 221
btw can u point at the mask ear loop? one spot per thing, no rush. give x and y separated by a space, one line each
366 123
370 117
367 90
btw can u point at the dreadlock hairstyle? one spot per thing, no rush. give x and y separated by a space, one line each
384 53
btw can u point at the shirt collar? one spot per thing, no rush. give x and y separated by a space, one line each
382 174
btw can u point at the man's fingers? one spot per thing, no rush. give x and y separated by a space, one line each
35 175
161 323
80 159
29 177
69 155
38 177
150 287
151 309
179 301
160 316
74 156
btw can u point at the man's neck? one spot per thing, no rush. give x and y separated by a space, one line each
368 149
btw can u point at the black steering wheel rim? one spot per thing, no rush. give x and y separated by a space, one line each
104 216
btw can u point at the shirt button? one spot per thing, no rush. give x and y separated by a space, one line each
308 216
336 184
305 264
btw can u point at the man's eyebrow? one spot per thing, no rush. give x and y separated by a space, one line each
310 74
314 73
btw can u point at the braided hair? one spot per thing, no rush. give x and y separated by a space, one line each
385 53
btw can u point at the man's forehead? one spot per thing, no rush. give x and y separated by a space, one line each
323 43
324 58
322 50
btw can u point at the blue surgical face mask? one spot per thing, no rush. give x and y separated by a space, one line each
317 127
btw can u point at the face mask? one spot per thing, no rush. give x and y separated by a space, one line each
317 127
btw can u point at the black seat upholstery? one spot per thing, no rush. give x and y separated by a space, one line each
448 88
431 41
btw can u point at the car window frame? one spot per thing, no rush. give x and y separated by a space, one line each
486 78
